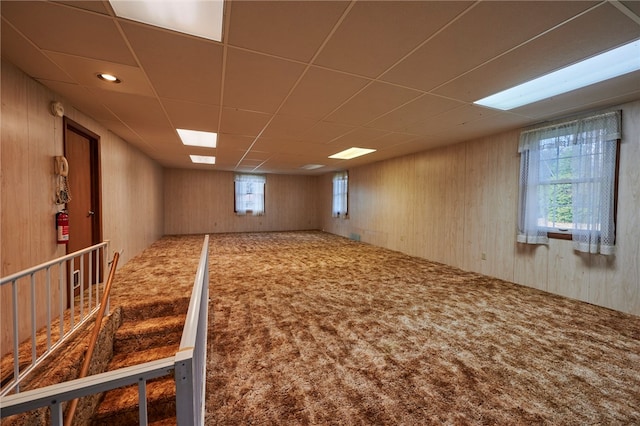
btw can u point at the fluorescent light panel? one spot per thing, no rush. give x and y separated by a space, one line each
198 18
203 159
605 66
312 166
350 153
198 138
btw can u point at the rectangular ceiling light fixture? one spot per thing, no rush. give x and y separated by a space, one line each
198 138
350 153
605 66
195 17
203 159
312 166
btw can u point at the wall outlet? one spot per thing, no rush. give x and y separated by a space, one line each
483 256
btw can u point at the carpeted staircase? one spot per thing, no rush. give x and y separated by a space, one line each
130 335
148 332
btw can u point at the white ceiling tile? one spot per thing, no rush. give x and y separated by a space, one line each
606 93
320 92
449 119
361 137
19 51
288 127
234 142
416 110
241 122
197 62
324 131
193 116
85 71
487 30
376 34
290 29
554 50
64 29
375 100
258 82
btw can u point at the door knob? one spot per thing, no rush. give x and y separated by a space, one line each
90 213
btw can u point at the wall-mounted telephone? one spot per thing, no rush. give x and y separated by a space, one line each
61 166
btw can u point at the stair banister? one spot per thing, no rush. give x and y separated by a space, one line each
94 337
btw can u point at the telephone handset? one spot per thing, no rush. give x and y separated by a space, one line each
61 166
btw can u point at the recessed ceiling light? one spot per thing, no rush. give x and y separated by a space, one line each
108 77
312 166
350 153
195 17
607 65
198 138
203 159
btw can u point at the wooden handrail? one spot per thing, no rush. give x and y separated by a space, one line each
94 337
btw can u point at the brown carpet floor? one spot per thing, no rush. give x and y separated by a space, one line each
310 328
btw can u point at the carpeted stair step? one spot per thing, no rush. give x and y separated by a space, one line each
128 359
120 406
156 308
142 335
171 421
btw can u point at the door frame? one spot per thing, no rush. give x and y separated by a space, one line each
96 193
96 174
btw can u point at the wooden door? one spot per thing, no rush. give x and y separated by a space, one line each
82 153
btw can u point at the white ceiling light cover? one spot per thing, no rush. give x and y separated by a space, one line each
605 66
198 18
203 159
350 153
198 138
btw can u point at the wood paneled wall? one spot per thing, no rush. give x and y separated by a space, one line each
31 137
458 205
201 201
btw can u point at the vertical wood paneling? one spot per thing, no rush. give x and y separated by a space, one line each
622 290
567 270
501 213
460 202
477 208
200 201
14 160
31 137
531 266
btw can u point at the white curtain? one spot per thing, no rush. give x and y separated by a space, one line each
591 145
249 194
340 194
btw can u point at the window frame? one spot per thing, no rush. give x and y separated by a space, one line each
343 175
235 195
600 130
558 234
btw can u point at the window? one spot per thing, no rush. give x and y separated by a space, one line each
567 182
340 194
249 194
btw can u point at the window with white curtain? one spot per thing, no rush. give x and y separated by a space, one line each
249 194
340 194
568 182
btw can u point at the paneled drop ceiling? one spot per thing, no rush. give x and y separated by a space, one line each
294 82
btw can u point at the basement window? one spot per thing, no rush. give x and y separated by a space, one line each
340 194
568 175
249 193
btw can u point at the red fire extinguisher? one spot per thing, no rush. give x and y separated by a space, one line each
62 225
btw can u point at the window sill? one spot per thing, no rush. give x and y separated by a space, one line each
560 235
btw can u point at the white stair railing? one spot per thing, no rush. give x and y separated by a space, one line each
191 359
188 367
38 282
